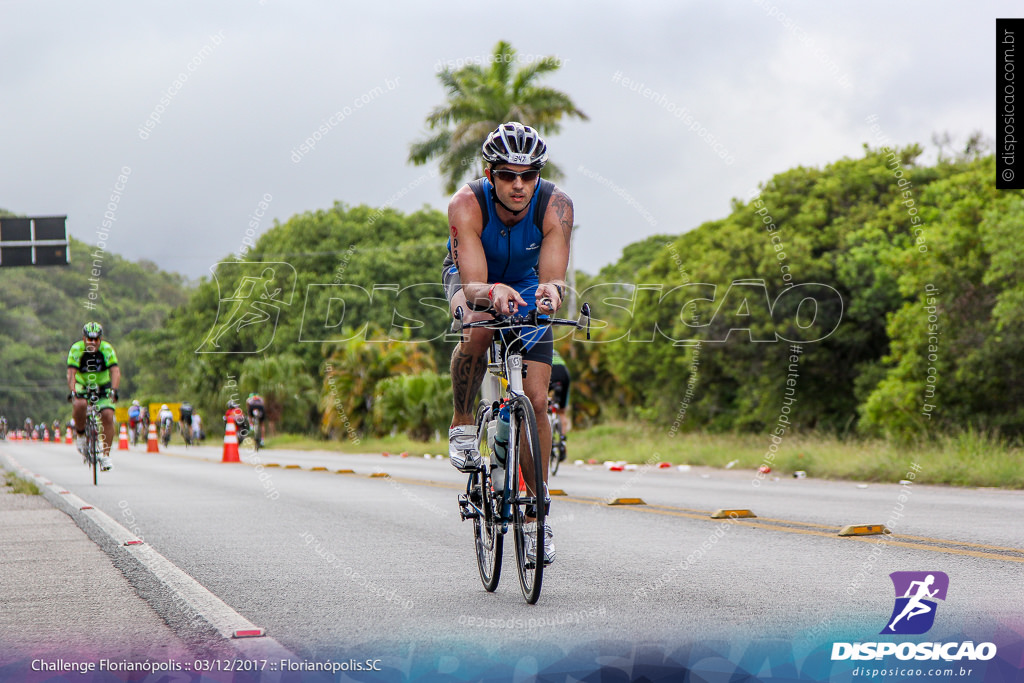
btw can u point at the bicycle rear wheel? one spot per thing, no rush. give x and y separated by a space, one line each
488 540
524 429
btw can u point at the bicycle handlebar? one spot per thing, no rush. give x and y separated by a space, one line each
531 319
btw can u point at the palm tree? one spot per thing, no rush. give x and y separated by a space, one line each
482 97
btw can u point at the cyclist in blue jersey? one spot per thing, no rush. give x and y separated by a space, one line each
508 249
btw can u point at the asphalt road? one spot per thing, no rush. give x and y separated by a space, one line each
348 565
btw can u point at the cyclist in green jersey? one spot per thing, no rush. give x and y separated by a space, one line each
93 375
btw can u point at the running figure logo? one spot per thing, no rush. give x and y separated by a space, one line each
247 319
914 612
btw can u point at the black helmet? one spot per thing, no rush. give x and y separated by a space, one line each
514 143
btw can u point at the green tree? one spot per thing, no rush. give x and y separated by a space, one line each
289 393
418 405
847 226
480 98
352 371
362 275
42 310
957 341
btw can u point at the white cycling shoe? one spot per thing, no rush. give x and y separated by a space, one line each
462 448
531 543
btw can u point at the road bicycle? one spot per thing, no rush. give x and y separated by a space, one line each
186 433
165 431
254 428
495 505
137 432
93 442
558 447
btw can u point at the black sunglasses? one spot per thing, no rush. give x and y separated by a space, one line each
508 176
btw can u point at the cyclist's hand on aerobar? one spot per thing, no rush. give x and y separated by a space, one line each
505 299
549 299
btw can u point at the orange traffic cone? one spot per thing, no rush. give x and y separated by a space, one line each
67 437
230 443
153 445
122 440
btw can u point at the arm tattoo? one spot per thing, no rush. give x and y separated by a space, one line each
562 206
467 373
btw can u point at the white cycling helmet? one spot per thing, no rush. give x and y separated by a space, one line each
514 143
164 407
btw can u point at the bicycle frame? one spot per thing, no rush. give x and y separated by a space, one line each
507 361
94 439
495 511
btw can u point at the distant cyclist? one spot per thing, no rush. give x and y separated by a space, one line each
254 408
558 386
3 427
93 376
235 414
558 401
166 419
197 427
135 425
185 411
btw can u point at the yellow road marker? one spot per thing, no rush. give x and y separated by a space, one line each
864 530
732 514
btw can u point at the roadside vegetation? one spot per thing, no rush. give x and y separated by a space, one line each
970 458
16 484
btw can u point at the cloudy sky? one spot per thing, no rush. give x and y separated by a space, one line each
690 103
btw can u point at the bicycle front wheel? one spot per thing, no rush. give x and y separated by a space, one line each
488 540
92 448
527 443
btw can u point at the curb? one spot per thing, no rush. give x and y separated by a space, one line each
195 614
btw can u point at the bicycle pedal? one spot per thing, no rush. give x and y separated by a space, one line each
466 509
